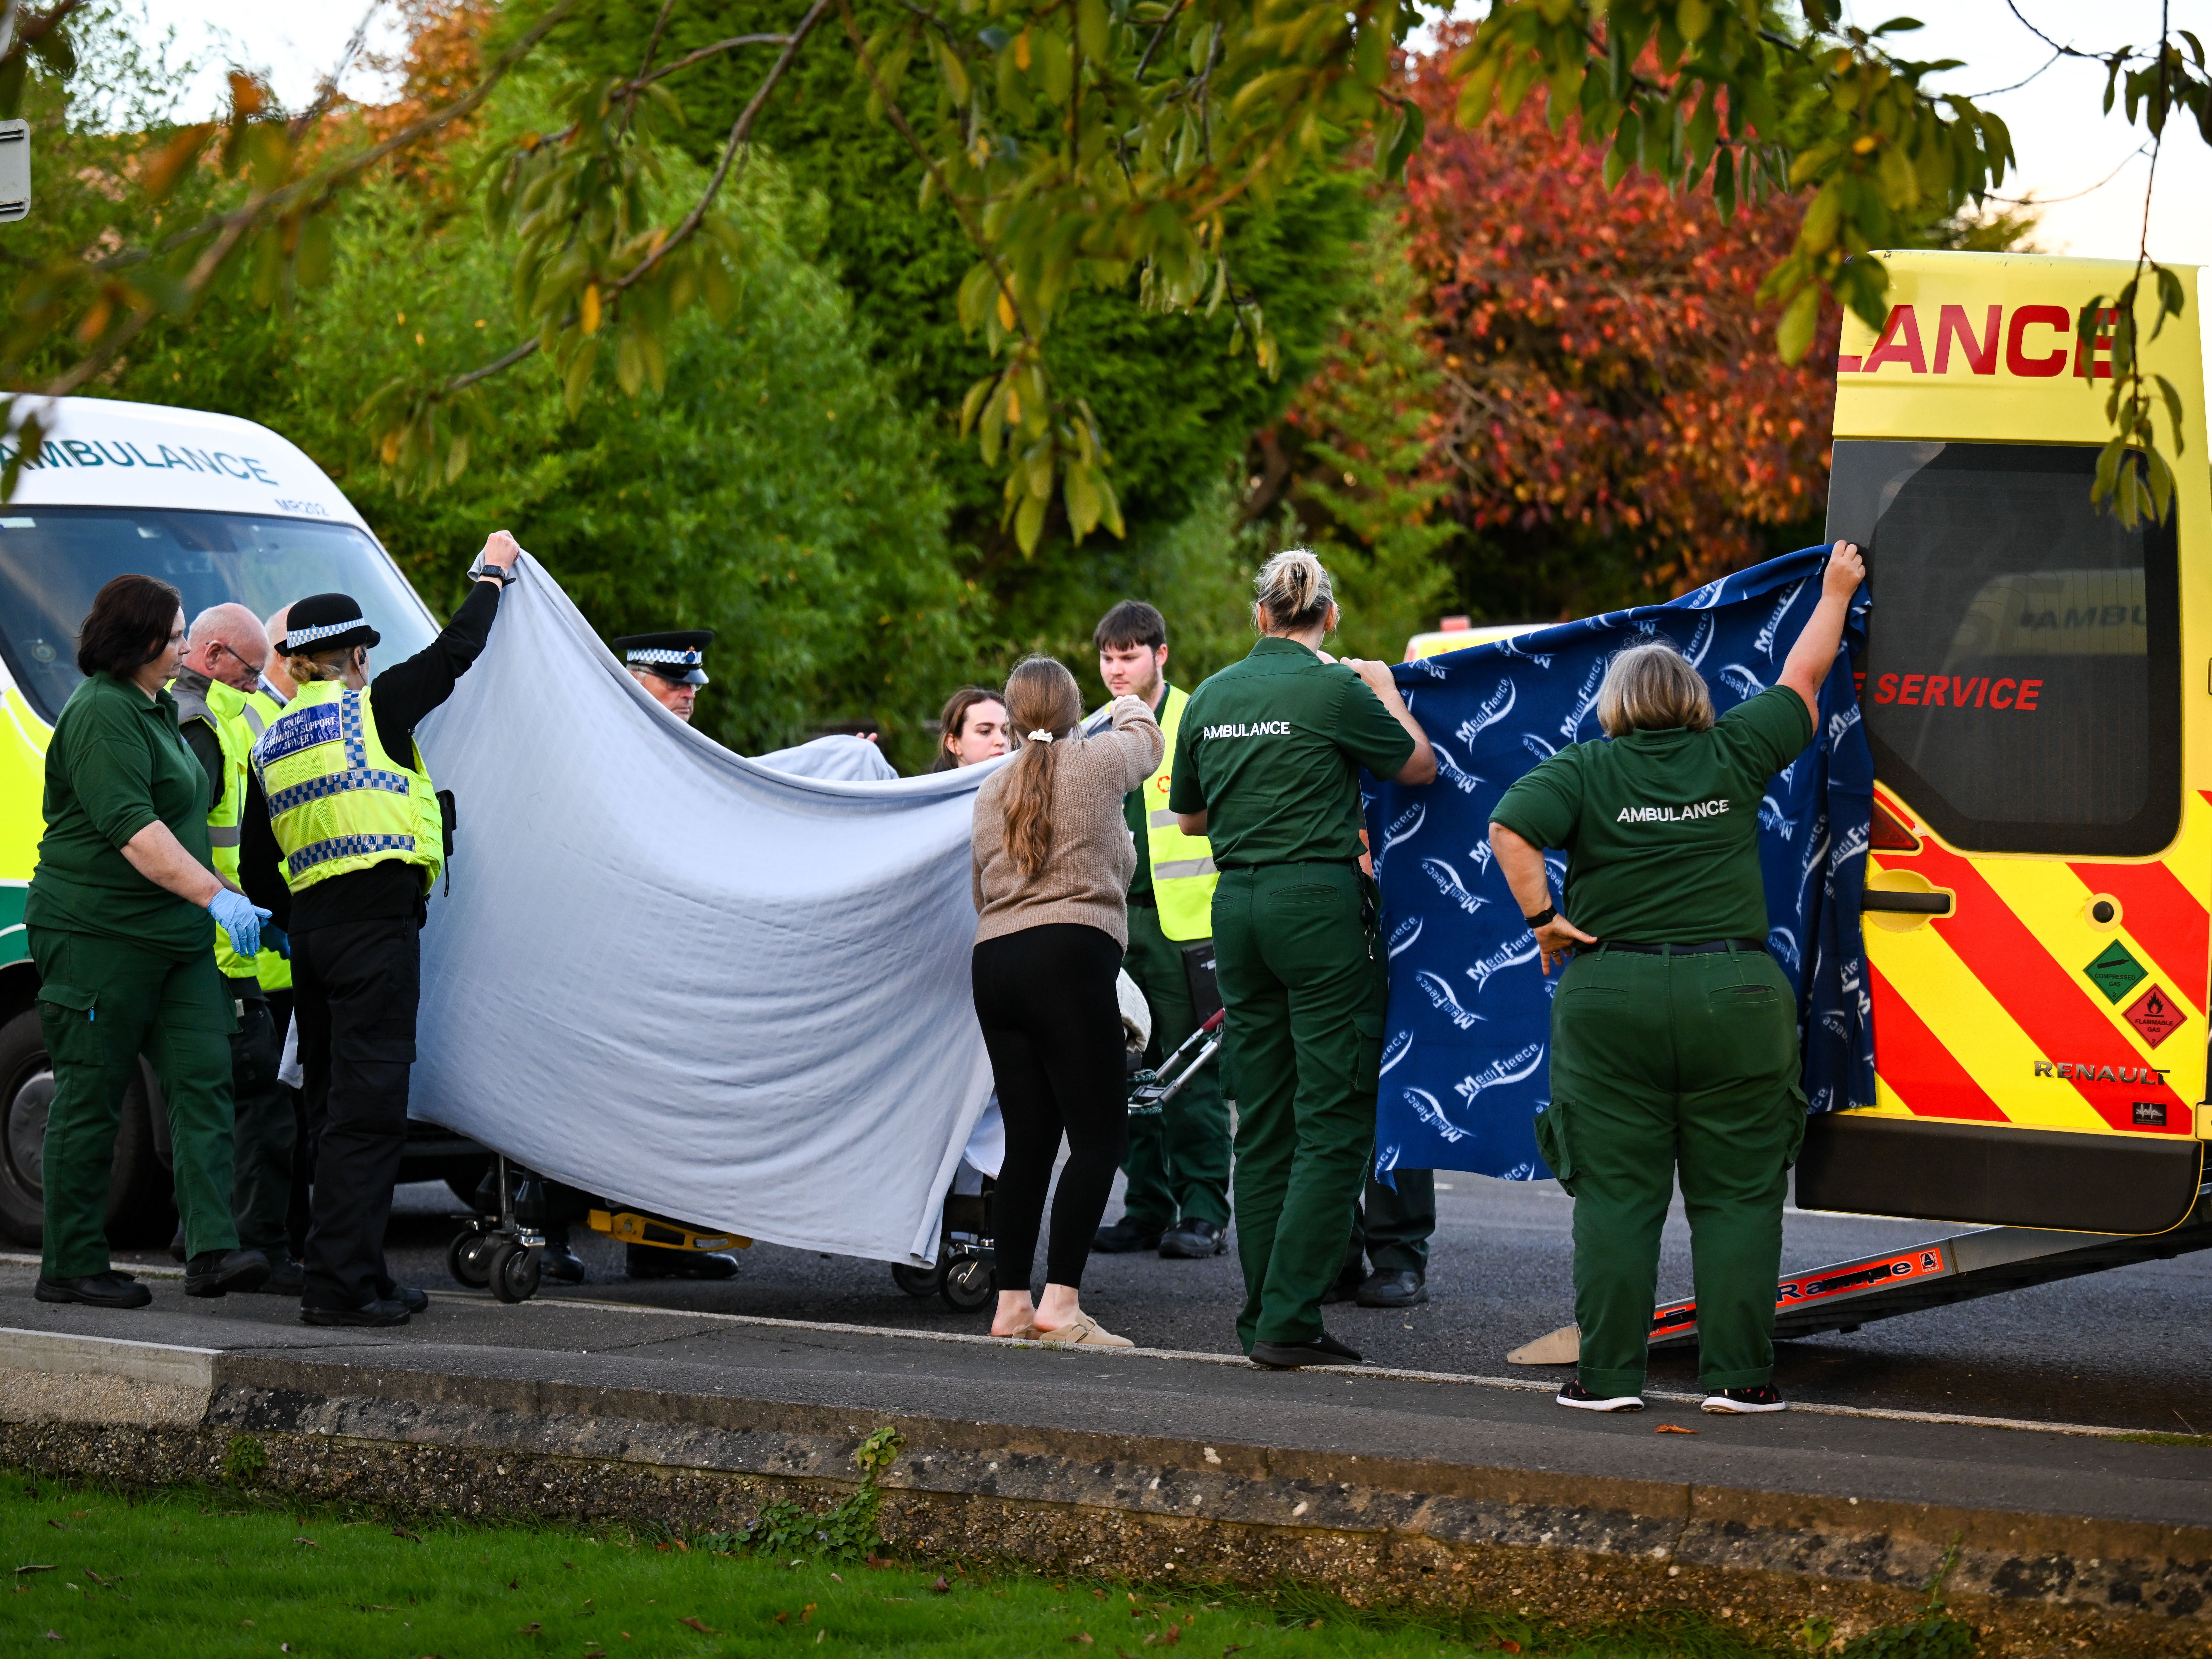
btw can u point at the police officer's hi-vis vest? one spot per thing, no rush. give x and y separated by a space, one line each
337 802
1182 866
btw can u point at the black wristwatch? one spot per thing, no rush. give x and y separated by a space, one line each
1549 914
481 569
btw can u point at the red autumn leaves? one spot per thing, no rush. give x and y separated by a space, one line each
1610 377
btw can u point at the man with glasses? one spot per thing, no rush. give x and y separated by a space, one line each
225 652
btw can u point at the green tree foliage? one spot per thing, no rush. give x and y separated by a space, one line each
1350 471
772 490
1173 393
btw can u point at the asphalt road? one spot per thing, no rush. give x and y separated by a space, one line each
2130 1348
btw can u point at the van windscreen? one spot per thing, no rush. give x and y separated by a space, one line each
2022 688
54 559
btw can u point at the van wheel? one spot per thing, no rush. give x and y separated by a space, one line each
140 1209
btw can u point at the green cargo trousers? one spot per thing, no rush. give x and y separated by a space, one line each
100 1002
1305 983
1660 1062
1177 1162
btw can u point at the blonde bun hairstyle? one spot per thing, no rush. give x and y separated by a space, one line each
1291 593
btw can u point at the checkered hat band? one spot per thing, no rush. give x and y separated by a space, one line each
296 637
662 654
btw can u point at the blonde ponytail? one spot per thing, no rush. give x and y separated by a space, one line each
1292 593
1042 696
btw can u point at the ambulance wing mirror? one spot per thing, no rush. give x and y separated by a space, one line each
15 170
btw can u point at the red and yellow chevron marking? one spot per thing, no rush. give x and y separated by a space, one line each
1988 1015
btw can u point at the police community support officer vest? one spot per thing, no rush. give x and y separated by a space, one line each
337 802
1182 866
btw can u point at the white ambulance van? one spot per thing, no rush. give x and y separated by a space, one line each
221 509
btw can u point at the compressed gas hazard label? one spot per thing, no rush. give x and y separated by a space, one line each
2154 1015
2116 972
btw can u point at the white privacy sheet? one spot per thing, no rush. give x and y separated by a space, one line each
733 992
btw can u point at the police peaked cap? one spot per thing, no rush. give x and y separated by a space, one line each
325 621
676 655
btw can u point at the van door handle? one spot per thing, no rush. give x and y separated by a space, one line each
1922 904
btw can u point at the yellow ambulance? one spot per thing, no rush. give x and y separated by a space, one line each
2037 687
221 509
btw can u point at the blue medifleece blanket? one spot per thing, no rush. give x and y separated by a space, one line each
1464 1071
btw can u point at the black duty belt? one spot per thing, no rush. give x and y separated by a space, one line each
1712 947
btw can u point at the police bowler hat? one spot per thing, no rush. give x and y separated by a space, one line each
325 622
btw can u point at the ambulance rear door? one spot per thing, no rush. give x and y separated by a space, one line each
2041 856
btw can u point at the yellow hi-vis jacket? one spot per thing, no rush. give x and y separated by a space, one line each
248 714
229 804
337 802
1182 866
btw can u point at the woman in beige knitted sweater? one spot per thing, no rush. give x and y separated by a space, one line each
1052 861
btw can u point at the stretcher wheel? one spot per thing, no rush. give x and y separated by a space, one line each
916 1282
468 1259
514 1272
969 1285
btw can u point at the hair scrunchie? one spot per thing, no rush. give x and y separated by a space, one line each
1040 737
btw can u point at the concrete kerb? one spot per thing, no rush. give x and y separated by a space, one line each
1575 1547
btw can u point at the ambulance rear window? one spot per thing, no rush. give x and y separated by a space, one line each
2022 688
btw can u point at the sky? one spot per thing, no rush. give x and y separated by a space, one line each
2081 163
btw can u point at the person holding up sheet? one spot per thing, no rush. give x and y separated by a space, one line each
1266 766
1673 1032
1050 865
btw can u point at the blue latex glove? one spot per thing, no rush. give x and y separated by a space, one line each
241 918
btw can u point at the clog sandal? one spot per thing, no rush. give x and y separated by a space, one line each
1084 1333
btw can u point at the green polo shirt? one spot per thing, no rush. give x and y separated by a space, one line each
118 764
1660 829
1270 750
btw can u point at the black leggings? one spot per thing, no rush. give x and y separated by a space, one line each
1045 998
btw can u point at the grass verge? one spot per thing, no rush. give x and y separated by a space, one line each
187 1573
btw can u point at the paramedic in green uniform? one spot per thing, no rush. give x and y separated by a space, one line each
121 918
1674 1033
1267 767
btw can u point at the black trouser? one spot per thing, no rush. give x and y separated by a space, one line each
261 1193
355 987
1045 998
1392 1229
296 1214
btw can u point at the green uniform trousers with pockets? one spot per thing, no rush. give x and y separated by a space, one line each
102 1001
1305 983
1667 1061
1177 1162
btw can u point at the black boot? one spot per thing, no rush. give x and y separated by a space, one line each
653 1261
1126 1235
1194 1240
107 1289
558 1262
1393 1287
212 1273
374 1311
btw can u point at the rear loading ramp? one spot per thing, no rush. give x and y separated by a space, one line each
1962 1268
